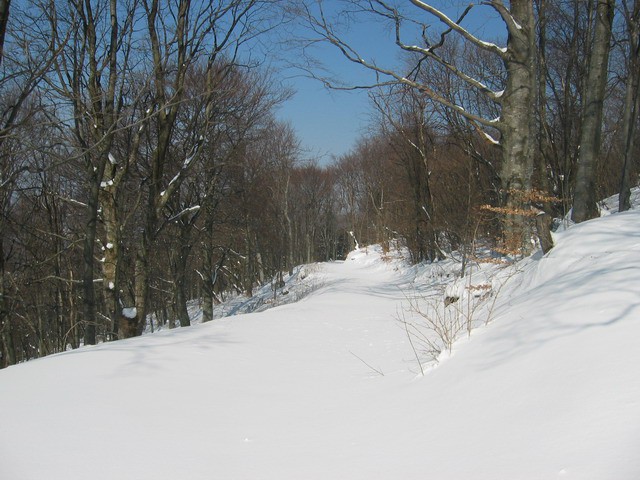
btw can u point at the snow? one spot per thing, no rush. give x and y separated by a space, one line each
130 312
187 161
490 138
493 45
173 180
329 387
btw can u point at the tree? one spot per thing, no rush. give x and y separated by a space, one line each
516 124
180 36
4 19
27 50
564 44
405 113
632 99
89 77
311 192
121 127
584 202
244 105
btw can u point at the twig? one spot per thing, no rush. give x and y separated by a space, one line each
406 329
374 369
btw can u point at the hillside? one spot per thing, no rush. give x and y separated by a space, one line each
329 387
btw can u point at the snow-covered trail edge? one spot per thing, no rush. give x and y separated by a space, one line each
290 379
550 389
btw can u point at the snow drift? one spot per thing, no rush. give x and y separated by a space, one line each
327 388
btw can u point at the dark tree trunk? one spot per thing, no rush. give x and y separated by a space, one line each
6 345
4 19
584 201
88 273
543 227
631 105
179 267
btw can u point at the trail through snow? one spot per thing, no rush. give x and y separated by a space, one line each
328 387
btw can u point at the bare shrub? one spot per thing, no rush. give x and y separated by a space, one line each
433 321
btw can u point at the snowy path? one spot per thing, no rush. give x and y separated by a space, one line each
549 390
266 395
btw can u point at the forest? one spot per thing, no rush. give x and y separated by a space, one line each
142 165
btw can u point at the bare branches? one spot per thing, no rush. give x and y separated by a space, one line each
491 47
327 31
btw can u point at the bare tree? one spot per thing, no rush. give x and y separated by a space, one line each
244 107
516 123
632 98
405 113
180 36
282 148
563 46
28 47
4 19
88 76
584 202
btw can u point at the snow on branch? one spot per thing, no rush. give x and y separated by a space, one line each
177 179
187 210
489 46
473 82
512 25
490 138
430 52
325 30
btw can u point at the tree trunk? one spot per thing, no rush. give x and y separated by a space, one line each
5 325
88 274
543 227
4 19
631 105
288 226
180 304
179 267
584 201
111 246
518 121
208 277
133 324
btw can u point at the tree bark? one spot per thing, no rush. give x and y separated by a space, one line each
179 264
88 273
518 122
5 326
5 6
584 201
631 104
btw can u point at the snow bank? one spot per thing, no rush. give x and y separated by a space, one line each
327 388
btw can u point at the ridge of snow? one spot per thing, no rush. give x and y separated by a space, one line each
327 387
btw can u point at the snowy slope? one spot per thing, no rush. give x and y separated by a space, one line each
327 388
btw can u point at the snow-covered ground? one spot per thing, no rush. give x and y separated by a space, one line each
330 387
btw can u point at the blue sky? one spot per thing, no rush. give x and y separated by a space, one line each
329 122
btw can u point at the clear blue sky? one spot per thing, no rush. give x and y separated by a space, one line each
329 122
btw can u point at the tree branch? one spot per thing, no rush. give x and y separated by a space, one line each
491 47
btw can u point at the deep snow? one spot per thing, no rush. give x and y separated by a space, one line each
329 387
